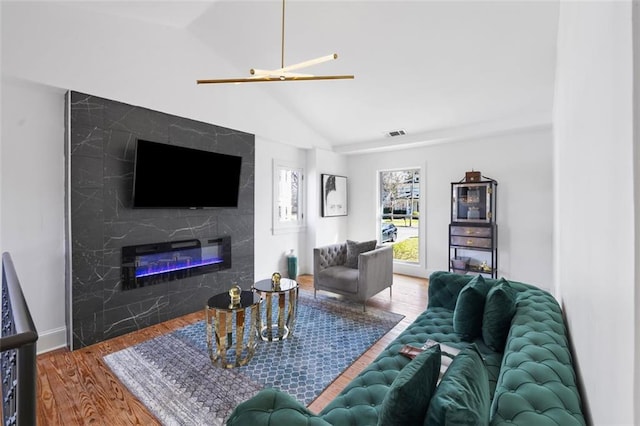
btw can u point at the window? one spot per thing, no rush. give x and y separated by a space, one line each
288 215
400 213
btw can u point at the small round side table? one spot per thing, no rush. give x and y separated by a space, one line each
286 296
232 328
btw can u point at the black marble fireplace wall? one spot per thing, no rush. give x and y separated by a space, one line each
101 138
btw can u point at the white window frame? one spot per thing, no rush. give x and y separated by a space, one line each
404 266
281 227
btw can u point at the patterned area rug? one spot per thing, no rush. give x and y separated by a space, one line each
173 375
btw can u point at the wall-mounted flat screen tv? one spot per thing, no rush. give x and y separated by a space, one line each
170 176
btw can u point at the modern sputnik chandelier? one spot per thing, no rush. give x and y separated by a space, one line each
284 73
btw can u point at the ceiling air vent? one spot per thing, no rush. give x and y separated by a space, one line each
393 133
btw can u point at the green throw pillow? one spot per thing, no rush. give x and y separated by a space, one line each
354 249
408 397
498 312
467 315
462 397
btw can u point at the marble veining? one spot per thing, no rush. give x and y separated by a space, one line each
103 137
88 141
135 316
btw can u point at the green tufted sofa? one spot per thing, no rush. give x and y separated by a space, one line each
533 382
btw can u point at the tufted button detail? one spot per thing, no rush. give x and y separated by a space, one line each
535 360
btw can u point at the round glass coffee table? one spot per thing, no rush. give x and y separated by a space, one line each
285 299
232 328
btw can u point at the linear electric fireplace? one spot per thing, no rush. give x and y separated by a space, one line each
149 264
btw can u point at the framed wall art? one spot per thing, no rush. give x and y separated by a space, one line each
334 195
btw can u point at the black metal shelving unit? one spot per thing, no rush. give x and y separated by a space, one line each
473 232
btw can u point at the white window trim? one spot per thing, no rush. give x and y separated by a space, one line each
292 227
408 268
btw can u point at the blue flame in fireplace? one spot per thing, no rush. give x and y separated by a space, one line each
162 266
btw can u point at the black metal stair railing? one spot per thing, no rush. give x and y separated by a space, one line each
17 352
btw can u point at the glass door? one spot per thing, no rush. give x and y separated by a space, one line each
400 216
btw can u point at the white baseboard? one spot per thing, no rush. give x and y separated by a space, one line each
409 269
51 340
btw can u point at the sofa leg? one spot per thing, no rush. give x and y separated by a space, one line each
364 306
314 293
390 292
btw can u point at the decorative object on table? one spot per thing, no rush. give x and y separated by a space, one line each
275 280
173 377
234 295
473 228
283 73
334 195
292 265
232 329
282 299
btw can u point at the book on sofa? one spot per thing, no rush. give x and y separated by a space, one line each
448 353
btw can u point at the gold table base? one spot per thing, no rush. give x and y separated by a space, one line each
234 332
282 327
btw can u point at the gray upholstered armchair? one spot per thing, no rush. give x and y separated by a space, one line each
373 274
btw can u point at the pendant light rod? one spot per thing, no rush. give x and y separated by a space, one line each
283 73
282 41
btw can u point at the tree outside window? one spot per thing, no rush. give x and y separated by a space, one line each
400 218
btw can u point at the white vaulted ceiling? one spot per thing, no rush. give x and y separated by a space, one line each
438 70
425 67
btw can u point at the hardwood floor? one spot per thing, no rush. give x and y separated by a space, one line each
77 388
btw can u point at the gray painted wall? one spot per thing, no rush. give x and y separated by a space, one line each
101 137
